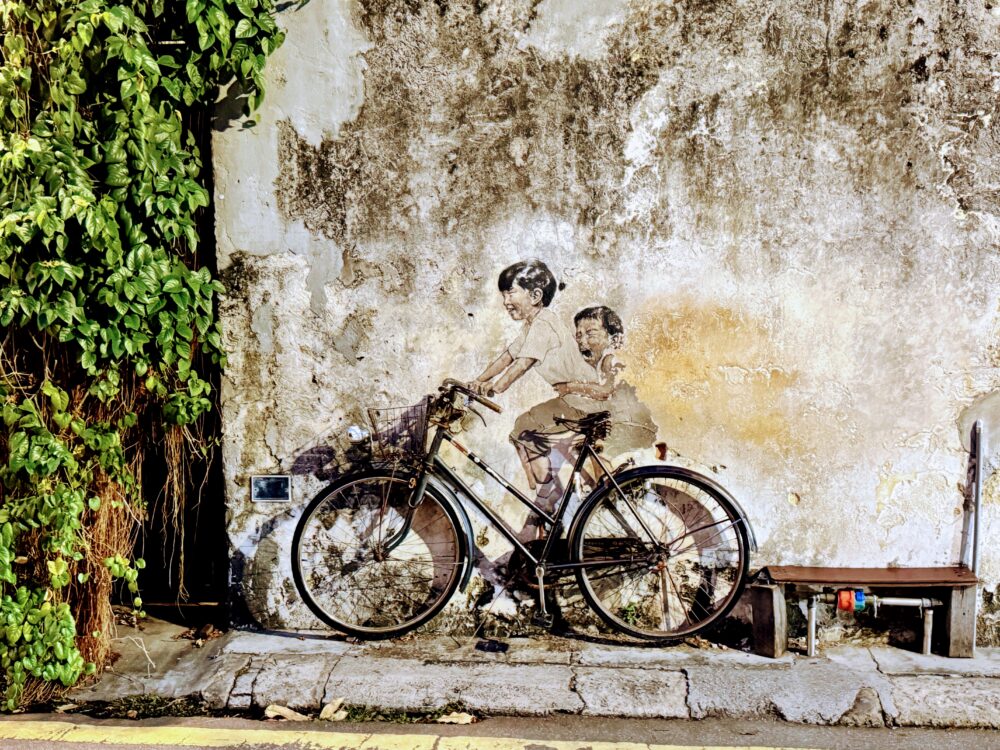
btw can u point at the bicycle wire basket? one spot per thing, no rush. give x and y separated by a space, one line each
399 432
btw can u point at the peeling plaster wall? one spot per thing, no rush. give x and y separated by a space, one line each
794 206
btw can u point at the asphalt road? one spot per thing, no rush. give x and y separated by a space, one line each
59 732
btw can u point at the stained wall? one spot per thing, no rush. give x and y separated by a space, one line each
793 206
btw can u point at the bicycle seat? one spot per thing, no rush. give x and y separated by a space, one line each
596 425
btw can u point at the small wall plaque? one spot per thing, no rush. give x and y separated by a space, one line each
271 488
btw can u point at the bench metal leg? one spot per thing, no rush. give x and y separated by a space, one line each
928 630
770 620
811 624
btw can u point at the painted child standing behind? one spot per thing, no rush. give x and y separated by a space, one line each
599 332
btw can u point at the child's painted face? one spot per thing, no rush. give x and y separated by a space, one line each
592 340
521 303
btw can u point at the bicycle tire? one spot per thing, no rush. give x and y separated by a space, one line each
352 581
667 589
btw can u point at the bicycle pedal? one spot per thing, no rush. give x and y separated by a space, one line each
542 620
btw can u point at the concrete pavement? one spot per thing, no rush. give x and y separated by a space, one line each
845 685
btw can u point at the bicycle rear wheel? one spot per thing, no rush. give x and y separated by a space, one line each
662 559
370 566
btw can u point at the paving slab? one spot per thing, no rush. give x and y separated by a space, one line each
894 661
638 693
110 686
463 649
262 643
218 685
669 657
850 684
867 710
293 681
947 701
153 660
241 695
541 651
873 705
412 685
812 693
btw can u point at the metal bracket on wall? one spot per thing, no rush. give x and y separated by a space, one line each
977 432
973 506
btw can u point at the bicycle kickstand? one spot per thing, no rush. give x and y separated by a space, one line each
542 617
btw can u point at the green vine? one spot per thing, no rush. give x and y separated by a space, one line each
109 322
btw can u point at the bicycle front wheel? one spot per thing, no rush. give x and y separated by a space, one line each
369 565
664 557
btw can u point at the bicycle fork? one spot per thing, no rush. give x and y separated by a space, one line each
418 485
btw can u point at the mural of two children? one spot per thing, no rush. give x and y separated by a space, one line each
578 363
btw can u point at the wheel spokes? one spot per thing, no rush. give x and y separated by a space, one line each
360 581
672 570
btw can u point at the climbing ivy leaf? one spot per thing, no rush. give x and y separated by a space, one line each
101 189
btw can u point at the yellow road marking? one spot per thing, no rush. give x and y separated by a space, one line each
207 737
510 743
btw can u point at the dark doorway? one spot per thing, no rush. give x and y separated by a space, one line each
184 540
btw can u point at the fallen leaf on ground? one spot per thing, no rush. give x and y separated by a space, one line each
209 631
205 633
696 641
274 711
331 709
66 707
456 717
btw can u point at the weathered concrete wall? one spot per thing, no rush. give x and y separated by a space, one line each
794 206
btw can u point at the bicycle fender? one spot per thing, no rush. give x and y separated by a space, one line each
463 518
696 477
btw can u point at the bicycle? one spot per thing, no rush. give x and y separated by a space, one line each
659 552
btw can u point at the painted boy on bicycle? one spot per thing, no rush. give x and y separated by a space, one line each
545 345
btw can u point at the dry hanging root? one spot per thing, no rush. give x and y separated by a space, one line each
115 525
173 499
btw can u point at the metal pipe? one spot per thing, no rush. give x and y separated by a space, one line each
926 604
811 633
977 431
902 601
890 601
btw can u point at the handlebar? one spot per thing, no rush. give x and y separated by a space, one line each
457 385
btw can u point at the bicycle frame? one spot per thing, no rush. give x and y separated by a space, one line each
552 523
625 572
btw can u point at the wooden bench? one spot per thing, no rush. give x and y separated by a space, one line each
954 587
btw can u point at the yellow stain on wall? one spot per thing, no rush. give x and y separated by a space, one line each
991 489
700 366
887 486
888 513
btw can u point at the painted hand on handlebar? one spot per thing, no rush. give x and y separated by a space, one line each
483 388
473 390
